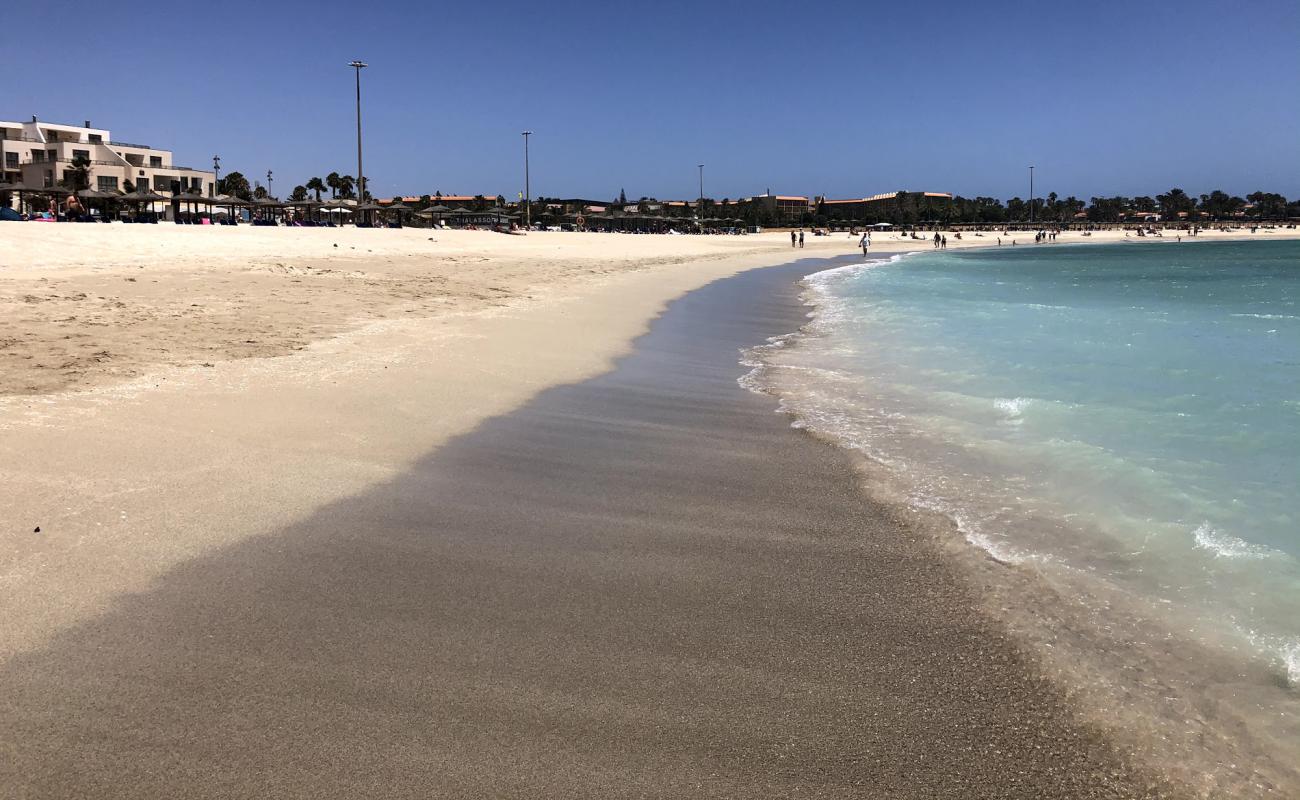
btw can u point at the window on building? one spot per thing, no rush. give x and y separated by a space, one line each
95 138
11 160
155 161
106 183
142 184
38 156
81 154
49 178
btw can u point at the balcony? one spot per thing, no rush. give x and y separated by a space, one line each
93 162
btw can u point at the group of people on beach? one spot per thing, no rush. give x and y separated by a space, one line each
940 242
796 239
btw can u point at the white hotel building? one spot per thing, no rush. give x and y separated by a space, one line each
39 154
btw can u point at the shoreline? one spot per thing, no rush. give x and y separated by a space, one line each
639 584
1178 704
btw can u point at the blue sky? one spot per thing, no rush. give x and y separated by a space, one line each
836 98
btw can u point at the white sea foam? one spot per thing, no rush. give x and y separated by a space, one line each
1013 408
1268 316
1290 653
1224 545
826 310
1283 651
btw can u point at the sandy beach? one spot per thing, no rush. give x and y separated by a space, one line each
233 458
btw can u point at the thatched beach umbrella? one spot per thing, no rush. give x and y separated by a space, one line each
191 198
52 191
230 203
400 207
143 196
94 194
18 188
307 203
267 204
371 208
434 212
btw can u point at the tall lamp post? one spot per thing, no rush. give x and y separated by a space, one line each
699 208
361 176
528 193
1031 193
269 193
216 170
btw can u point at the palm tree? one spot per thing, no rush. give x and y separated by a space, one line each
332 181
78 177
316 185
346 184
1174 201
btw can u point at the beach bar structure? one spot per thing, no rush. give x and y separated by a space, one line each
41 155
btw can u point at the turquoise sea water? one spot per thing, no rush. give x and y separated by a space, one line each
1129 412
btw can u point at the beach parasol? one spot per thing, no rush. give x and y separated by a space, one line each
191 198
143 196
371 207
400 207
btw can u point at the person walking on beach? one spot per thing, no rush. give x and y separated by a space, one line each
793 239
801 238
936 241
943 243
866 243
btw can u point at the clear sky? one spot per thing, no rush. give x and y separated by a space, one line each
836 98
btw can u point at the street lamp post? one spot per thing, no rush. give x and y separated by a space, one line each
216 170
1031 193
269 193
699 208
528 192
361 176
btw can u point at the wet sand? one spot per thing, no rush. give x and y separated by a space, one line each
642 585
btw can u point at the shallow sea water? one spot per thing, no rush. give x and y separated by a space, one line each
1129 413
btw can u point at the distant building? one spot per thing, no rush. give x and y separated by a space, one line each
40 155
875 206
787 209
448 200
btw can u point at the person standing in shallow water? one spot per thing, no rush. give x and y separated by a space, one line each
943 243
793 239
936 241
801 238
